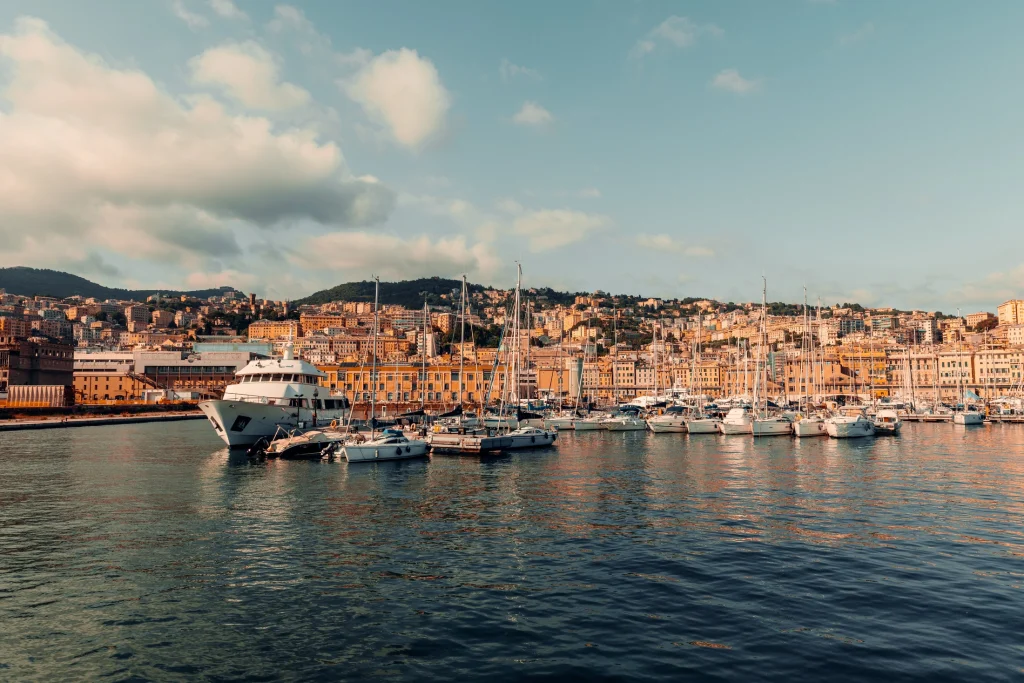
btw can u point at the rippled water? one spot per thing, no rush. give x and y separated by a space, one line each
146 552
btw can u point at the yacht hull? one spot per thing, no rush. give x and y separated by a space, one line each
376 452
806 428
241 423
523 441
587 426
771 428
667 426
704 426
559 423
850 430
968 419
734 428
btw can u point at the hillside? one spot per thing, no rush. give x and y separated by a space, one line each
408 293
44 282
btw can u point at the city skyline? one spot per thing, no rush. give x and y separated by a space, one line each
851 148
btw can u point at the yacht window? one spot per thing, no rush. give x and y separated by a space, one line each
275 378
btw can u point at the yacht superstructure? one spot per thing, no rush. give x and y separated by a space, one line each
273 393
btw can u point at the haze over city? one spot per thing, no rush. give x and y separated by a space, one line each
866 150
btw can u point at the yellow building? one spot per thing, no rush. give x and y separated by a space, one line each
1011 312
273 330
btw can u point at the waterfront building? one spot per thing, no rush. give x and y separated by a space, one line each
272 330
1011 312
36 372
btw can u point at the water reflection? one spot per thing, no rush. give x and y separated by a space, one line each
608 553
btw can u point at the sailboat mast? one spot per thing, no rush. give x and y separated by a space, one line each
423 354
373 366
462 339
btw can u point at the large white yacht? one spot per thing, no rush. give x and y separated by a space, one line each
272 393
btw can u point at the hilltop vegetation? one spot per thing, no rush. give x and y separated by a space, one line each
55 283
408 293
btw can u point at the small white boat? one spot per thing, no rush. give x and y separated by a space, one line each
852 423
563 421
392 444
811 425
530 437
588 424
704 425
625 423
672 420
737 421
887 422
771 426
968 417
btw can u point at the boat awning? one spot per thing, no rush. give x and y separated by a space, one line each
452 413
415 413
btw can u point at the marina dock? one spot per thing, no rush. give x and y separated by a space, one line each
60 423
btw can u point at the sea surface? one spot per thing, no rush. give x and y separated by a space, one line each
148 552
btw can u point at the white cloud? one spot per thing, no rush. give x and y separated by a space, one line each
675 31
863 33
532 114
249 74
666 243
404 91
731 81
194 20
590 193
509 206
397 257
509 71
97 156
227 9
552 228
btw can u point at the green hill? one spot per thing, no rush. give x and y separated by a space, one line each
44 282
408 293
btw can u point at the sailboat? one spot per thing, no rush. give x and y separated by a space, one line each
525 436
391 444
965 414
698 422
764 424
808 425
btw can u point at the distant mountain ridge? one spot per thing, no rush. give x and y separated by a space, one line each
408 293
44 282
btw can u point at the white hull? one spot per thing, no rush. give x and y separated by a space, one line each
733 428
673 426
968 419
538 439
372 452
811 427
849 430
708 425
242 423
559 423
626 426
771 427
587 425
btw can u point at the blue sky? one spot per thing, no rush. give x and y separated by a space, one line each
868 150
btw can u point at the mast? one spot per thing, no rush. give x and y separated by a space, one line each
758 366
373 366
423 354
462 340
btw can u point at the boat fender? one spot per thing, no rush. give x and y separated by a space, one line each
399 451
408 450
533 439
334 424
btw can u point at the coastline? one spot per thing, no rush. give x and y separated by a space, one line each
67 421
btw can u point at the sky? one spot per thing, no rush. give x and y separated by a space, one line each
868 150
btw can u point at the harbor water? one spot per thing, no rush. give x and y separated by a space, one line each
148 552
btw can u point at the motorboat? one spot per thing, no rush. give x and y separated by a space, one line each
588 424
887 422
530 437
704 425
625 423
809 425
771 426
672 420
850 423
969 416
737 421
273 394
299 444
391 444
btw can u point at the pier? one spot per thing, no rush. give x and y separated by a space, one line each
60 423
